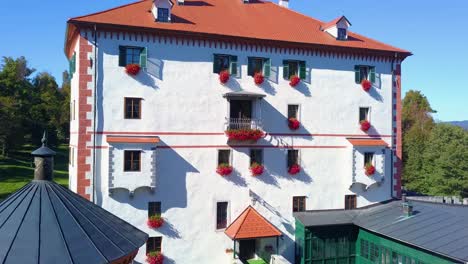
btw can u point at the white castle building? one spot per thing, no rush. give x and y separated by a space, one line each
164 92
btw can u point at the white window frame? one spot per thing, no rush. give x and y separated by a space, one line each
230 156
228 217
369 114
299 112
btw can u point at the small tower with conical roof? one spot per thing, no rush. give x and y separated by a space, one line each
43 161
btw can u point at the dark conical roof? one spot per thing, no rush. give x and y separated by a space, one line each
46 223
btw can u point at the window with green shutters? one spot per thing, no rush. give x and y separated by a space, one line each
261 65
72 65
133 55
223 62
363 72
294 67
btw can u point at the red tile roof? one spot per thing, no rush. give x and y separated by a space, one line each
250 224
334 22
367 142
231 18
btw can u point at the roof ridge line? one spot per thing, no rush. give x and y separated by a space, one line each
94 214
21 223
107 10
79 225
60 226
247 211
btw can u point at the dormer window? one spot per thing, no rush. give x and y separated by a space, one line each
162 10
163 14
338 28
342 34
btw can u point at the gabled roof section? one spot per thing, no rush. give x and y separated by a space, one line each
250 224
439 228
367 142
334 22
44 222
223 19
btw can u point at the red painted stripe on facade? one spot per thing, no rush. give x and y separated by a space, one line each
222 133
249 146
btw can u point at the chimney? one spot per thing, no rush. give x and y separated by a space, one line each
284 3
407 206
43 161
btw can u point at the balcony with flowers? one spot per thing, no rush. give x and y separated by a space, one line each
369 157
243 124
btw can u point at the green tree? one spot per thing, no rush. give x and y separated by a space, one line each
417 123
445 161
15 98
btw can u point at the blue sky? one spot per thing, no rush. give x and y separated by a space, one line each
432 30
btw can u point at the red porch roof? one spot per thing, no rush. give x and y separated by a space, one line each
367 142
250 224
134 140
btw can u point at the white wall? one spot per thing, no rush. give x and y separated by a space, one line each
181 94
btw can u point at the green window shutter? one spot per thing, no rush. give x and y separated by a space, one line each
372 74
357 74
143 57
286 70
122 56
302 70
215 64
233 64
250 67
266 67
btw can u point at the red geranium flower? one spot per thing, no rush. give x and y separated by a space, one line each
258 78
293 123
365 125
244 134
132 69
224 169
366 85
155 221
155 257
224 76
370 169
256 169
294 169
295 80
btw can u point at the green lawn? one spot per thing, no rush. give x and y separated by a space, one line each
17 170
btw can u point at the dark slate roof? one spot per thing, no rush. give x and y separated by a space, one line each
439 228
46 223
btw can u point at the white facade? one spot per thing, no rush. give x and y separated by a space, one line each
183 104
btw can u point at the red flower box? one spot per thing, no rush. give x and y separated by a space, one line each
293 123
224 169
155 221
370 169
224 77
155 258
256 169
258 78
366 85
244 134
294 169
132 69
365 125
295 80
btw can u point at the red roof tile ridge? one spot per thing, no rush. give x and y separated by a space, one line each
296 12
399 50
266 220
246 211
107 10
